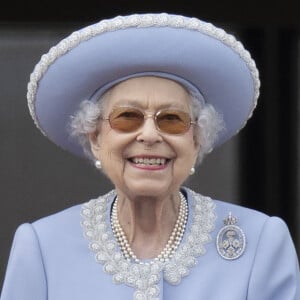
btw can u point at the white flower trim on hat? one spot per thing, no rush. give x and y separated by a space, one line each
143 20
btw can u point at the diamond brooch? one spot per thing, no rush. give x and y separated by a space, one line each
231 240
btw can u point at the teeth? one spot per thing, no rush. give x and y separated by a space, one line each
149 161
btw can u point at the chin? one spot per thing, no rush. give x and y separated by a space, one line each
151 189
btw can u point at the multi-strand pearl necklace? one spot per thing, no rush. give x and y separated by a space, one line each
172 244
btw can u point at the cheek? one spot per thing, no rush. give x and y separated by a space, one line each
112 164
190 147
111 150
187 152
110 154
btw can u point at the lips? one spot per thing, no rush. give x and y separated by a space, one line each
149 161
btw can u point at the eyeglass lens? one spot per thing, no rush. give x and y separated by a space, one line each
170 121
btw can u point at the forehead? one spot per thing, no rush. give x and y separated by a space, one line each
148 92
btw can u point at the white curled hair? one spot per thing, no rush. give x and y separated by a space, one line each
84 122
210 124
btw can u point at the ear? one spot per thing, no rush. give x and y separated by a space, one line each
197 149
94 140
197 144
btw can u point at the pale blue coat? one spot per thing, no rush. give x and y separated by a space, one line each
50 260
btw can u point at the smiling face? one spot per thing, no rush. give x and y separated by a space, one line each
145 162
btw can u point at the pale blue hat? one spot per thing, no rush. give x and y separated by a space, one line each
197 54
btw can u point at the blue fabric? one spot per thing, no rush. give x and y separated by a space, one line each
50 260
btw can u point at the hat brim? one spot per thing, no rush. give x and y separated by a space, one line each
219 68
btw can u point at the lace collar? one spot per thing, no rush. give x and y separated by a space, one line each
144 278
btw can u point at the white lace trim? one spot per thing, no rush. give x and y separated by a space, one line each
142 20
144 278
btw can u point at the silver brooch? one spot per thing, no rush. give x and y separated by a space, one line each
231 240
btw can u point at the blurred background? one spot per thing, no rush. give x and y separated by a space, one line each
259 168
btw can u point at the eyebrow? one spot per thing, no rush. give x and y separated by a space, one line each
137 103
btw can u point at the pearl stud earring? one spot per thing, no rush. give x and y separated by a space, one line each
192 171
98 164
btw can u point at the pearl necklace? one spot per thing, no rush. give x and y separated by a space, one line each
172 244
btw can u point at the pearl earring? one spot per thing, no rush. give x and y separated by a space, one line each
192 171
98 164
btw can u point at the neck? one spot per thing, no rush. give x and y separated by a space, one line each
148 222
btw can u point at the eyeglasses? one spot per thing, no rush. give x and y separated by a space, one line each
129 119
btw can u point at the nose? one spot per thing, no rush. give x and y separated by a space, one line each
148 133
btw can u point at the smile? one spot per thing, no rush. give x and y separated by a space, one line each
149 161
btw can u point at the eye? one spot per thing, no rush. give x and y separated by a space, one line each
128 114
170 117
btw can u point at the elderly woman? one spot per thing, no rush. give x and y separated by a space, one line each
147 96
